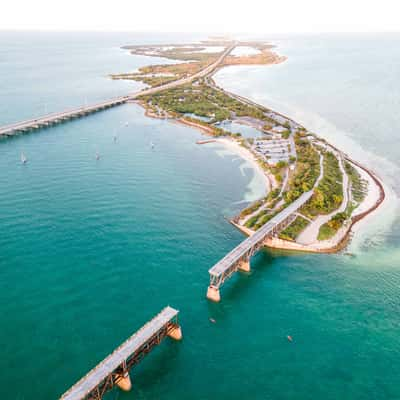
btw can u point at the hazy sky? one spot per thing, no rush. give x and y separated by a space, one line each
253 16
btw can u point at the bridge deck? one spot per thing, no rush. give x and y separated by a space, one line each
241 250
36 123
91 380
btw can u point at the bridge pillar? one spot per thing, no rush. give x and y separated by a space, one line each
213 294
175 332
244 266
123 381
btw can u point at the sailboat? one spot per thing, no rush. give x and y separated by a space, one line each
152 145
24 160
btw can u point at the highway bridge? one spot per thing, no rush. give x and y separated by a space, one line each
238 259
59 117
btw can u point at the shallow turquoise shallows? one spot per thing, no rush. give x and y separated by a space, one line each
91 249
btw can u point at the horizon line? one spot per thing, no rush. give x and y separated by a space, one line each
226 33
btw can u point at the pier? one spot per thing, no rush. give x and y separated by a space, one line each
114 369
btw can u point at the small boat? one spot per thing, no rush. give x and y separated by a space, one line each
126 123
97 156
24 160
152 145
212 320
115 139
289 338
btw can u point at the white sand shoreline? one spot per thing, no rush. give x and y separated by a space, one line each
340 239
248 156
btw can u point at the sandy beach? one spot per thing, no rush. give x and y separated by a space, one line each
248 156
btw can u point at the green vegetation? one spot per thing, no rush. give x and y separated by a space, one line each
263 216
214 130
285 134
203 101
156 75
252 208
273 194
278 177
294 229
358 185
329 229
260 219
328 195
198 99
307 170
281 164
182 53
152 79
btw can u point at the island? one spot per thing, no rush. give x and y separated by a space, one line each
292 160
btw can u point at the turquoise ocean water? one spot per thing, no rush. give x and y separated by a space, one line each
89 250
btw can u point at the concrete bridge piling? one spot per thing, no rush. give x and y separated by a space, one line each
239 258
114 369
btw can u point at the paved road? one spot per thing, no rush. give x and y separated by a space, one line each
310 233
80 111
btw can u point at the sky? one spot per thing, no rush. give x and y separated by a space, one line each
212 16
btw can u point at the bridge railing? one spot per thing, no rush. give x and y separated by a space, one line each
114 369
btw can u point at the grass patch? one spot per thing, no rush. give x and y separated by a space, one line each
328 196
306 172
251 208
359 186
294 229
329 229
204 101
325 232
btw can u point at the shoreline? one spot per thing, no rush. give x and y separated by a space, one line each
342 237
235 147
344 234
228 143
249 157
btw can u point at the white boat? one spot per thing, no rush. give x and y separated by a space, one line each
126 123
97 155
152 145
24 160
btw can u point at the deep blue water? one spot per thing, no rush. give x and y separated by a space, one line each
92 249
